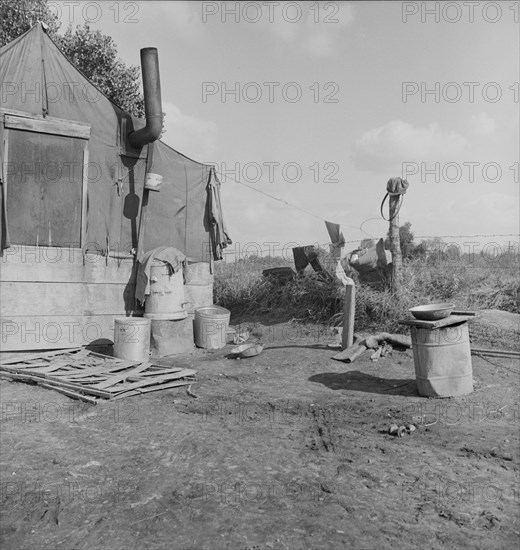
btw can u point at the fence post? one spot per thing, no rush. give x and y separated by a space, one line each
349 313
395 245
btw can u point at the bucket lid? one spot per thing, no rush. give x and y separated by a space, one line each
212 311
133 321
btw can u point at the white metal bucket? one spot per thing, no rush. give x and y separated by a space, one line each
210 327
132 338
166 299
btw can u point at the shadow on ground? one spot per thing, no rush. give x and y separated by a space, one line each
360 381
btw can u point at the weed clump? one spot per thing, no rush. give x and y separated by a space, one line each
241 288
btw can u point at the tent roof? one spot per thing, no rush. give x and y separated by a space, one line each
37 78
22 72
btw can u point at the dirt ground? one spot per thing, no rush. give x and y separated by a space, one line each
288 449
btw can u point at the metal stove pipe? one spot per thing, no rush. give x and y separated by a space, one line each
152 100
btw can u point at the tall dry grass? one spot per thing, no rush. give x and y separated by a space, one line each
473 285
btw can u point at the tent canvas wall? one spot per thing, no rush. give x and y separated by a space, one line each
71 202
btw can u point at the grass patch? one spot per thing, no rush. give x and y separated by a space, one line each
241 288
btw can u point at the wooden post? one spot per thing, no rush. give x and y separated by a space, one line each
395 244
349 312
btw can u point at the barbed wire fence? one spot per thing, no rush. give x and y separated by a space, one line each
272 250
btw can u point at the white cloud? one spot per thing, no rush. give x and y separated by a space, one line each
314 29
321 44
483 124
310 28
182 17
192 136
387 147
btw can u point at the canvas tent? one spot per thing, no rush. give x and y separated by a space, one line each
72 182
38 79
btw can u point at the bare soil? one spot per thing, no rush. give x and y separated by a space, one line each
288 449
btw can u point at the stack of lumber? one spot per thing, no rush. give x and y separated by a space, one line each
91 376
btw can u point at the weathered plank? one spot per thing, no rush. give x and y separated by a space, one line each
41 298
68 265
158 387
440 323
37 355
55 383
99 269
106 384
42 264
70 393
114 379
48 125
349 313
105 299
58 299
22 333
158 380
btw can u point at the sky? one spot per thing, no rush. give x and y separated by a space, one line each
319 103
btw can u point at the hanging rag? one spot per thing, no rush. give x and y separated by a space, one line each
4 230
300 259
337 243
371 259
215 219
167 254
305 255
335 234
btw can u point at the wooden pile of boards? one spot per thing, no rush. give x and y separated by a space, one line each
90 376
359 346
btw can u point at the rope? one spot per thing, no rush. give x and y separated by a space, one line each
283 201
398 206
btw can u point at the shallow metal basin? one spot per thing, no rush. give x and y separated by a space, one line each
432 312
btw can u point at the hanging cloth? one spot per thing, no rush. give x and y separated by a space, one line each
218 232
4 230
335 234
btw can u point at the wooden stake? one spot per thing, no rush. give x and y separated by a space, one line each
349 312
395 245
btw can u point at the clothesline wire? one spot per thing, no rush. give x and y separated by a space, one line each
357 241
360 228
283 201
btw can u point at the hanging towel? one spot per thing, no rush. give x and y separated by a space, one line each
215 219
305 255
167 254
370 259
4 230
300 259
337 243
335 234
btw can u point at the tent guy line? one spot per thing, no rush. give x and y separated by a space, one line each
283 201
